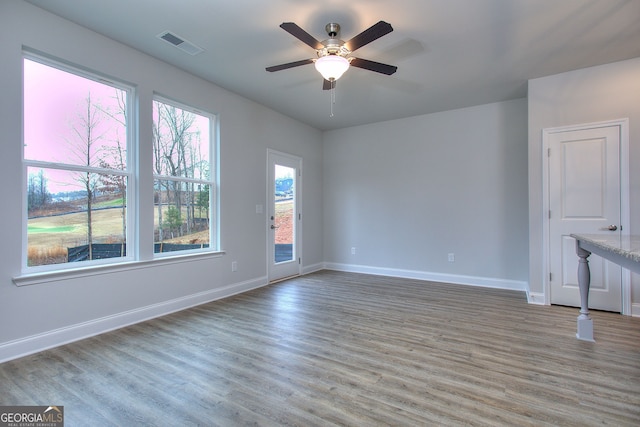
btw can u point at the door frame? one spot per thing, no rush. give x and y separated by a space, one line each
297 203
625 220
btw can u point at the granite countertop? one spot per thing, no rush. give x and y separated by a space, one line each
626 246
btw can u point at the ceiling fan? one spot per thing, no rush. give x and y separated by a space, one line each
334 55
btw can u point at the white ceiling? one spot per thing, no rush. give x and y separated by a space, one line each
450 53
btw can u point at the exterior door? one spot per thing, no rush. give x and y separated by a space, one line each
584 198
284 191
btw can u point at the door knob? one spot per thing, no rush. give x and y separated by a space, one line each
612 227
273 227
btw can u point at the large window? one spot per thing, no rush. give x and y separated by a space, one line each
77 167
79 172
184 188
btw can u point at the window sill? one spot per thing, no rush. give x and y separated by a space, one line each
55 276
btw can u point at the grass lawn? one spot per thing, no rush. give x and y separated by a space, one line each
33 229
71 229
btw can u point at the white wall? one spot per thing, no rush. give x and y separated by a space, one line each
36 316
407 192
593 94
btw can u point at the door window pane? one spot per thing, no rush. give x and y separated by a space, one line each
284 220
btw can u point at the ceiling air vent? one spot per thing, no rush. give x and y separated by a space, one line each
180 43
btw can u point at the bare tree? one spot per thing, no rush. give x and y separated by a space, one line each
87 151
158 170
116 157
173 138
38 195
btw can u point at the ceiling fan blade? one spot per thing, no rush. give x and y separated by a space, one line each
373 66
289 65
301 35
327 85
370 34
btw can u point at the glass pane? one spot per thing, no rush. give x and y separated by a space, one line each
181 142
74 216
284 213
181 216
72 120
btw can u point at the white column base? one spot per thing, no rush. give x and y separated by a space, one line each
585 329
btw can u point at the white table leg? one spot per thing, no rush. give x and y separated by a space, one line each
585 323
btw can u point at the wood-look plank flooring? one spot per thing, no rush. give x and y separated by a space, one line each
334 348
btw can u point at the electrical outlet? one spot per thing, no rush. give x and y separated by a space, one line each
234 265
452 257
353 251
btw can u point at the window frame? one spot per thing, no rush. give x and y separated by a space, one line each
129 172
212 182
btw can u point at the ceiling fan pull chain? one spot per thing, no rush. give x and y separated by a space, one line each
332 96
331 100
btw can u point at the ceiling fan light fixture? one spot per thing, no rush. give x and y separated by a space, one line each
332 67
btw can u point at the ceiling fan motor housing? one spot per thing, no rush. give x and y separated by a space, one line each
333 45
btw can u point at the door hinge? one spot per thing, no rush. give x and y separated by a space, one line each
550 277
299 216
548 152
549 213
299 260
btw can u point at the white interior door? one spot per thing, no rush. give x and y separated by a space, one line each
283 224
584 198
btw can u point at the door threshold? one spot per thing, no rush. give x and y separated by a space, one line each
283 279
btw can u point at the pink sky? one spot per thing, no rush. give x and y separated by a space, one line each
53 99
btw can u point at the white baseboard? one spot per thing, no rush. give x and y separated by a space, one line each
307 269
485 282
635 309
536 298
33 344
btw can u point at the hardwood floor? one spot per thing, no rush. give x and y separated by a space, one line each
335 348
